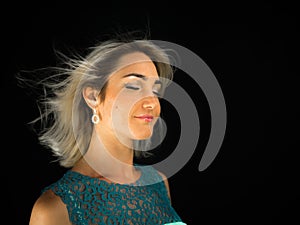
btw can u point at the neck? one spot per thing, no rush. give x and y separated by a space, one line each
116 147
109 158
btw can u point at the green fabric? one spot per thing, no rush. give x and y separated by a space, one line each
175 223
94 201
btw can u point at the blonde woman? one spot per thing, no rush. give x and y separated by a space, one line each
99 117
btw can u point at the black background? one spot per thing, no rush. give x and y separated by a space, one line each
251 49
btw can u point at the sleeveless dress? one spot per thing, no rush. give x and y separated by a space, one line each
92 201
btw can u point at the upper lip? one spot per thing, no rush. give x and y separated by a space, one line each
144 116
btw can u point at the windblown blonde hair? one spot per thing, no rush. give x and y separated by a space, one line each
65 107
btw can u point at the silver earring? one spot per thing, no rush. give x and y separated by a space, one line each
95 117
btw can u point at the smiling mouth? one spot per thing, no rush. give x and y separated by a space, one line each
146 118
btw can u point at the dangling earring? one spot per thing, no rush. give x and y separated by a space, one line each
95 117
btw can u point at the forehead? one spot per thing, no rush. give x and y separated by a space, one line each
136 62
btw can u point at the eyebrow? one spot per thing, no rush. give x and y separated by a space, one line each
141 76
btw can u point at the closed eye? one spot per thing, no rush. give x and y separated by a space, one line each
157 93
131 87
136 88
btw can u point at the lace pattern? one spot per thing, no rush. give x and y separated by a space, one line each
93 201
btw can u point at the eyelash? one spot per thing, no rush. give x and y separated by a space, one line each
137 88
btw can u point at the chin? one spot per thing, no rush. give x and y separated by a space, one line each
142 135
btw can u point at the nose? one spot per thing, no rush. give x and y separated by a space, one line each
150 102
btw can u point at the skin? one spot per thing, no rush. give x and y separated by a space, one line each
126 97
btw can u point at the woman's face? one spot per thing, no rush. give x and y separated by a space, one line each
131 106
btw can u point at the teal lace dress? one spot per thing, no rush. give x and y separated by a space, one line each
93 201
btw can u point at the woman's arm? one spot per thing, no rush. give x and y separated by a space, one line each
166 183
48 210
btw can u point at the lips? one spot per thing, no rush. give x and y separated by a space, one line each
146 118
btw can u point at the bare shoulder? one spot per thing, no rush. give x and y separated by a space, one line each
49 209
164 177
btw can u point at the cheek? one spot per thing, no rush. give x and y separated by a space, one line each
158 108
126 104
120 112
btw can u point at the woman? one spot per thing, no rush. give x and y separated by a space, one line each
102 115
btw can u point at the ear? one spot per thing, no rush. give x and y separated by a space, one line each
91 97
